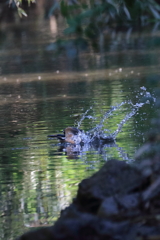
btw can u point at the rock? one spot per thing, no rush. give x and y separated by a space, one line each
119 202
81 226
115 177
120 207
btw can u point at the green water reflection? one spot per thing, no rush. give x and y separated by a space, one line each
42 93
36 180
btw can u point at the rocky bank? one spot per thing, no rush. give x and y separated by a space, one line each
119 202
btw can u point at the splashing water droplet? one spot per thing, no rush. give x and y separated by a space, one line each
98 132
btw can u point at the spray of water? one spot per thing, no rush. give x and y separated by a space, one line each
83 117
99 132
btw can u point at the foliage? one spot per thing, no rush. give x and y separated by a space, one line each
18 3
95 15
92 16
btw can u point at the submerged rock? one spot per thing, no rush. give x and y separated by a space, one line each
120 201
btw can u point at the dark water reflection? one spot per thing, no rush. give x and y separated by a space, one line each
38 96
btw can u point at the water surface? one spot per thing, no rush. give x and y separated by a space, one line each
41 93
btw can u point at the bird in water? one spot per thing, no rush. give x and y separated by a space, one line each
74 135
71 135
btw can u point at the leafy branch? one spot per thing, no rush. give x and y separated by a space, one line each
97 14
18 3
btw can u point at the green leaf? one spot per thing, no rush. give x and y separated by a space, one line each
21 12
64 9
154 12
127 12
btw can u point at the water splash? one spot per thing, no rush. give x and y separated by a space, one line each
83 117
100 132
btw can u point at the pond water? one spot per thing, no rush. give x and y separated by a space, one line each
42 92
